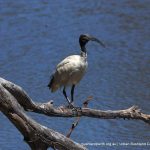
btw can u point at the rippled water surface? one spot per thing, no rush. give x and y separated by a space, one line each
36 35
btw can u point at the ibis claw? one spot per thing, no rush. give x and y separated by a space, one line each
71 106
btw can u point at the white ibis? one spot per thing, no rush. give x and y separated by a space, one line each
71 70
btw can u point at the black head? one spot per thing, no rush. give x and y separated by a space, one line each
84 38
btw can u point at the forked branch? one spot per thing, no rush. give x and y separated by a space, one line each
48 109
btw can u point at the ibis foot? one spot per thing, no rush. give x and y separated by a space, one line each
71 106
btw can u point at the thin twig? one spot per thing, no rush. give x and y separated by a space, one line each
76 122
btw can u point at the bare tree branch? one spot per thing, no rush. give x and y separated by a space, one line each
14 100
76 122
48 109
37 136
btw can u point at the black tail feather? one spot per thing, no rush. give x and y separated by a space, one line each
51 81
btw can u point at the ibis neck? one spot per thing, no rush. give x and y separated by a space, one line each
83 54
83 51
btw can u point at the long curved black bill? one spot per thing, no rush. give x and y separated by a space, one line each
97 40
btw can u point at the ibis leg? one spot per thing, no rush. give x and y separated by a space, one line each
64 92
72 93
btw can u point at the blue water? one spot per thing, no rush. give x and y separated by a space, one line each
36 35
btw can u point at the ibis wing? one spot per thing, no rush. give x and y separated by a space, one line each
66 65
64 71
67 60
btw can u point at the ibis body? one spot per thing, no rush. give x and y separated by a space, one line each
71 70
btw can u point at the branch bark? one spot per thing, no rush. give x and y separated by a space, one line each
14 100
48 109
37 136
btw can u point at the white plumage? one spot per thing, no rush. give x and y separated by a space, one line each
71 70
